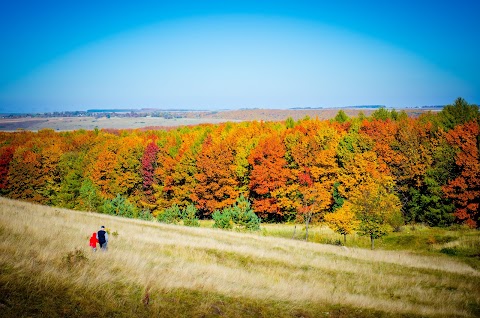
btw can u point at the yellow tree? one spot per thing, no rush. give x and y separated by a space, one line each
343 220
127 170
377 208
369 189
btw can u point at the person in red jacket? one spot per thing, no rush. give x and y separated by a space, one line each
94 241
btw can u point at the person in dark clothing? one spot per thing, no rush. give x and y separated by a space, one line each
102 237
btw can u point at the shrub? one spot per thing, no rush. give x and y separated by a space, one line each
449 251
145 214
189 216
119 206
75 257
240 214
171 215
223 220
243 215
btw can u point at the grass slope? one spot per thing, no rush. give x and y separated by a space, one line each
152 269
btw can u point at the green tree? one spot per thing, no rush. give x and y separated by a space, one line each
189 216
337 197
376 208
382 113
71 174
341 117
119 206
223 219
290 123
459 113
239 215
171 215
89 197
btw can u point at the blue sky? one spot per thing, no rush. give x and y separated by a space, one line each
66 55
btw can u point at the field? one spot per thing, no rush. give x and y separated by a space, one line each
189 118
90 123
153 269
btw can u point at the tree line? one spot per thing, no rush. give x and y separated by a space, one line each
386 169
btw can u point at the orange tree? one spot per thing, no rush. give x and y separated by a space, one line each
216 180
311 153
269 173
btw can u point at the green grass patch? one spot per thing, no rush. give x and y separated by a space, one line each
459 242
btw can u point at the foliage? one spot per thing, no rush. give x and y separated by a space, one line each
175 214
269 174
343 220
119 206
171 215
189 216
464 189
223 219
148 169
240 216
337 198
289 170
289 122
457 114
375 208
217 183
341 117
88 195
145 214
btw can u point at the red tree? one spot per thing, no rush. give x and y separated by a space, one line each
149 161
6 155
464 190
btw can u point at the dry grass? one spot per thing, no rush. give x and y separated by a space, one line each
184 271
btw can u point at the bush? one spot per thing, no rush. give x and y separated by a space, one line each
449 251
223 220
171 215
119 206
189 216
145 214
175 214
75 257
240 214
243 215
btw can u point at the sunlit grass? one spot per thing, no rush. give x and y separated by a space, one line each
460 242
47 269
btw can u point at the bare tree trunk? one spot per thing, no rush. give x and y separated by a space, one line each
373 242
294 230
344 239
306 228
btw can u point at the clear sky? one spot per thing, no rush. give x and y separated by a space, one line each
78 55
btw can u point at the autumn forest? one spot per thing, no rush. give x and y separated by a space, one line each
388 168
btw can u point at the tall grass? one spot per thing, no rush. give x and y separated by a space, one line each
47 269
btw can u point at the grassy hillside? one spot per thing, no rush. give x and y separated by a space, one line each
152 269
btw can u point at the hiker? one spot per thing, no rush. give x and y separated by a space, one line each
94 241
102 237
